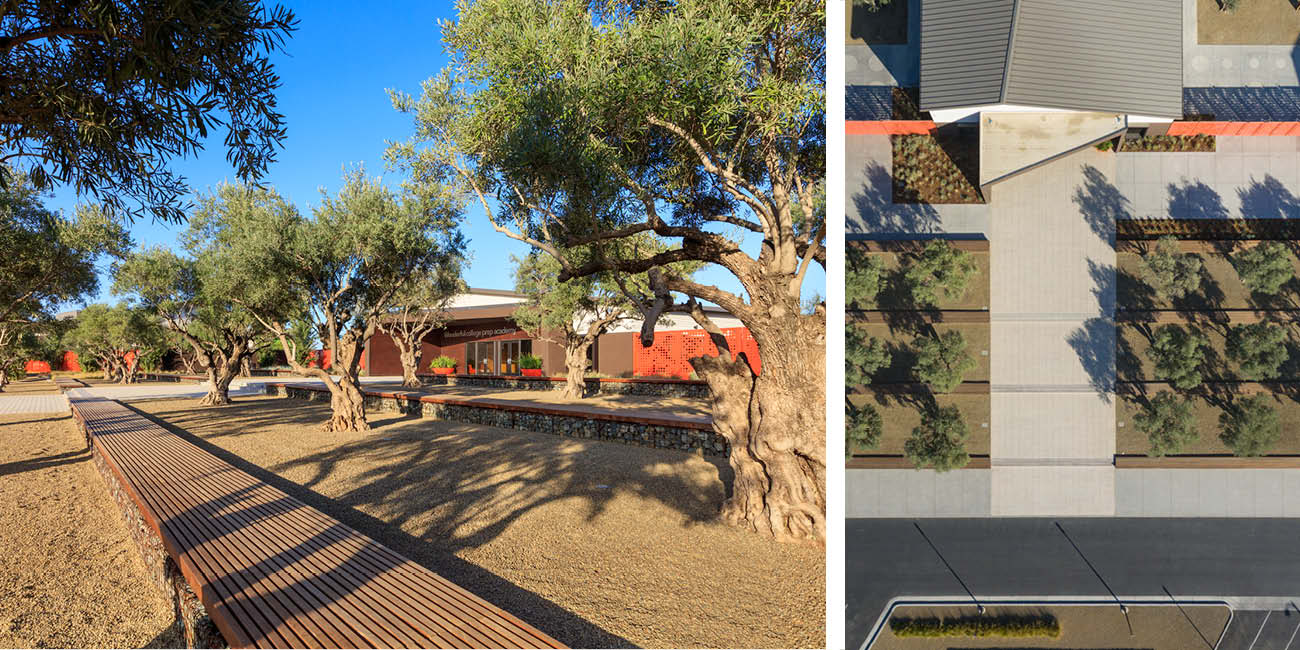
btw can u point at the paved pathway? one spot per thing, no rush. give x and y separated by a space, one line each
1234 65
1253 176
1053 339
15 404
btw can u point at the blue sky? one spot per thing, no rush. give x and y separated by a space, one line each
335 71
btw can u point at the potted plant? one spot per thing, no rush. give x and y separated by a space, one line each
530 365
443 365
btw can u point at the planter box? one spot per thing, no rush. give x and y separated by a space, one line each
531 372
444 371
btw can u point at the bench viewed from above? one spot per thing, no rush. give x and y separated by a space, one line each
269 570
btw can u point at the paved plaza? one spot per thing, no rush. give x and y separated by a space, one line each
16 404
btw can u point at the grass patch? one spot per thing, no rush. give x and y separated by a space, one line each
942 168
1006 625
1254 22
901 413
1221 288
893 296
900 341
886 25
1206 408
1178 143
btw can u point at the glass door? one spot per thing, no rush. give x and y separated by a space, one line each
510 353
481 358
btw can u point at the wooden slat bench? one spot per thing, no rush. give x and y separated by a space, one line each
271 571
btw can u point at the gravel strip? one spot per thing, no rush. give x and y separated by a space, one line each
70 576
596 543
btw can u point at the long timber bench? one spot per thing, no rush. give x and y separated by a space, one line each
265 569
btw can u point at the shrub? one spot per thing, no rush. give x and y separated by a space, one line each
1169 271
862 426
1264 268
942 362
940 440
1259 349
1178 355
1250 427
529 361
1007 625
443 361
1168 423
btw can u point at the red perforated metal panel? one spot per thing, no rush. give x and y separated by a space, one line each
1235 128
668 356
889 127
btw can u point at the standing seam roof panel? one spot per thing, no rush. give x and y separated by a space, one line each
963 51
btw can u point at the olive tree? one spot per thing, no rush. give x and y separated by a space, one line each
939 270
419 308
863 426
1250 427
863 356
573 314
341 269
46 260
181 293
861 278
1178 355
939 441
118 339
579 125
102 94
1170 272
942 361
1259 349
1264 268
1168 423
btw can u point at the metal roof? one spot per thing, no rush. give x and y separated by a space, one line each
1114 56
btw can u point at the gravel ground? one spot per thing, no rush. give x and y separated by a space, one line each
696 406
596 543
70 576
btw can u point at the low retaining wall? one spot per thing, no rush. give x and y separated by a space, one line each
644 387
1130 461
192 618
901 462
641 431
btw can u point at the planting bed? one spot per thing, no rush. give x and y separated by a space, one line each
892 295
941 169
901 413
1128 440
1220 289
901 342
1163 627
1174 143
1133 364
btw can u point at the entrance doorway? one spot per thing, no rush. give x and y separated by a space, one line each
496 357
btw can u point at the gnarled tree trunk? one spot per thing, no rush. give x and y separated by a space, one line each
776 425
348 406
575 366
219 378
4 379
410 365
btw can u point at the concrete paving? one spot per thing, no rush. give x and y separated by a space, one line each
16 404
869 209
1052 346
1234 65
1207 492
1250 176
917 493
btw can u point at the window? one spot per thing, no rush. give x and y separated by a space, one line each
496 357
